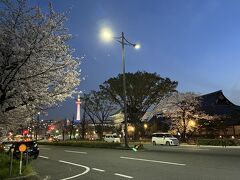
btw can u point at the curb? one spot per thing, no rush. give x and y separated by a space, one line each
32 176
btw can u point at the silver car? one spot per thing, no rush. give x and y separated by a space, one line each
164 139
111 138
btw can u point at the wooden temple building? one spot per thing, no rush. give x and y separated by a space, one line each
228 121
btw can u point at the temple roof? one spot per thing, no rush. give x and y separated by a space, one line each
216 103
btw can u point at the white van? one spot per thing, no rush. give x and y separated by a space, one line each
164 139
111 138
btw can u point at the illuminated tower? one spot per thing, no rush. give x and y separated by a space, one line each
78 108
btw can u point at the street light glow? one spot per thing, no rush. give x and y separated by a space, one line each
192 123
131 128
137 46
106 34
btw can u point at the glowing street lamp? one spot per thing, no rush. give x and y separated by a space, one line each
106 35
192 123
137 46
131 128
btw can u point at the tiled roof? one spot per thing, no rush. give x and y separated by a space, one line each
216 103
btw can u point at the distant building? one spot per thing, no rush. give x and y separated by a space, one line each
216 104
117 118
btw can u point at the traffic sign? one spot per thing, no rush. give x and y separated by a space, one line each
22 148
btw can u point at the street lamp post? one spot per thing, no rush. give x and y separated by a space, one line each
124 41
107 35
124 93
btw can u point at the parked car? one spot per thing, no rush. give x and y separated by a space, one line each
5 145
111 138
32 149
164 139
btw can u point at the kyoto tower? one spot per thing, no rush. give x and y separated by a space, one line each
78 108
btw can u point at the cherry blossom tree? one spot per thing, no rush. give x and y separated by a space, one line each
37 66
184 109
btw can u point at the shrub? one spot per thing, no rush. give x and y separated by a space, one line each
219 142
90 144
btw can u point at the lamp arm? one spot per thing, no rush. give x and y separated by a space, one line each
128 43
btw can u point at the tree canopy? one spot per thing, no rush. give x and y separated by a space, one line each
37 68
143 90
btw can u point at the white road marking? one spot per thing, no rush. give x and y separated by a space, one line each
122 175
148 160
44 157
74 164
96 169
78 152
45 148
47 177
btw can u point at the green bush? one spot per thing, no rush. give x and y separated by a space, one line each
219 142
5 167
90 144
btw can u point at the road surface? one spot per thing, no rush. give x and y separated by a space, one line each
153 163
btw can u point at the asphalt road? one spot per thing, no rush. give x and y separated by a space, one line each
154 163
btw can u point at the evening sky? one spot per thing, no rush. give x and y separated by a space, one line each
196 43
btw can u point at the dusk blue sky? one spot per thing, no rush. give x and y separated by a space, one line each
196 43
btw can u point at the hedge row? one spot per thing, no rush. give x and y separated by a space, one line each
89 144
5 166
219 142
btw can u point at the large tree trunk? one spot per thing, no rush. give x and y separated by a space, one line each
183 135
83 123
63 134
70 137
83 133
138 131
